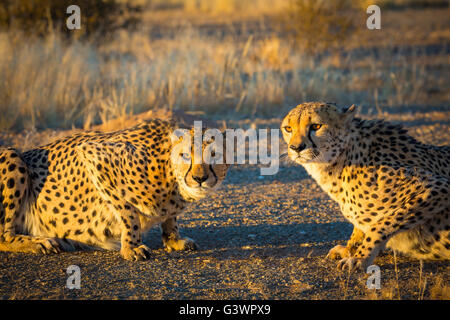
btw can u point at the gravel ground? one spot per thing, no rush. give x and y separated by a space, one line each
259 238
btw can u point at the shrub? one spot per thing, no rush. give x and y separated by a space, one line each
320 24
40 16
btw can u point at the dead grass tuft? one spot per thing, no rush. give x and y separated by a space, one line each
440 289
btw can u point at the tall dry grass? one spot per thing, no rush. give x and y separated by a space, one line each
52 82
215 6
265 6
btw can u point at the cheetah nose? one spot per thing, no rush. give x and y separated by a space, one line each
200 179
298 148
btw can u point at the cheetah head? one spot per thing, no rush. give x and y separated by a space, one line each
199 168
317 132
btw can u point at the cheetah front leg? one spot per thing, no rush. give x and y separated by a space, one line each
14 190
375 240
171 237
411 211
365 253
341 251
132 247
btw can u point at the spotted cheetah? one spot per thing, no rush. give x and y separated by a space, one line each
391 187
102 190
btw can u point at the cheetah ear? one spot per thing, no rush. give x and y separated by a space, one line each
349 113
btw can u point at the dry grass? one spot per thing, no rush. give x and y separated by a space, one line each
397 283
440 290
51 83
321 24
250 7
214 6
422 282
232 6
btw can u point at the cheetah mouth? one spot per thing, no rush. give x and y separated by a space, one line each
202 187
304 157
199 191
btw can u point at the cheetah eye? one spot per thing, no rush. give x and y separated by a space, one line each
315 127
185 156
288 129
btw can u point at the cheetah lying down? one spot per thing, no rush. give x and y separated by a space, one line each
392 188
102 190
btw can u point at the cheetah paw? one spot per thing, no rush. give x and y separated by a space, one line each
139 253
185 244
46 246
337 252
352 263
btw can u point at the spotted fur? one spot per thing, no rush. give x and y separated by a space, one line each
101 190
391 187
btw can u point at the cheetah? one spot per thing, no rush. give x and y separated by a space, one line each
391 187
96 190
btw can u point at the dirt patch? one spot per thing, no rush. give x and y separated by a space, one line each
260 237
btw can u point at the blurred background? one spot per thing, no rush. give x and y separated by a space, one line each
232 59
